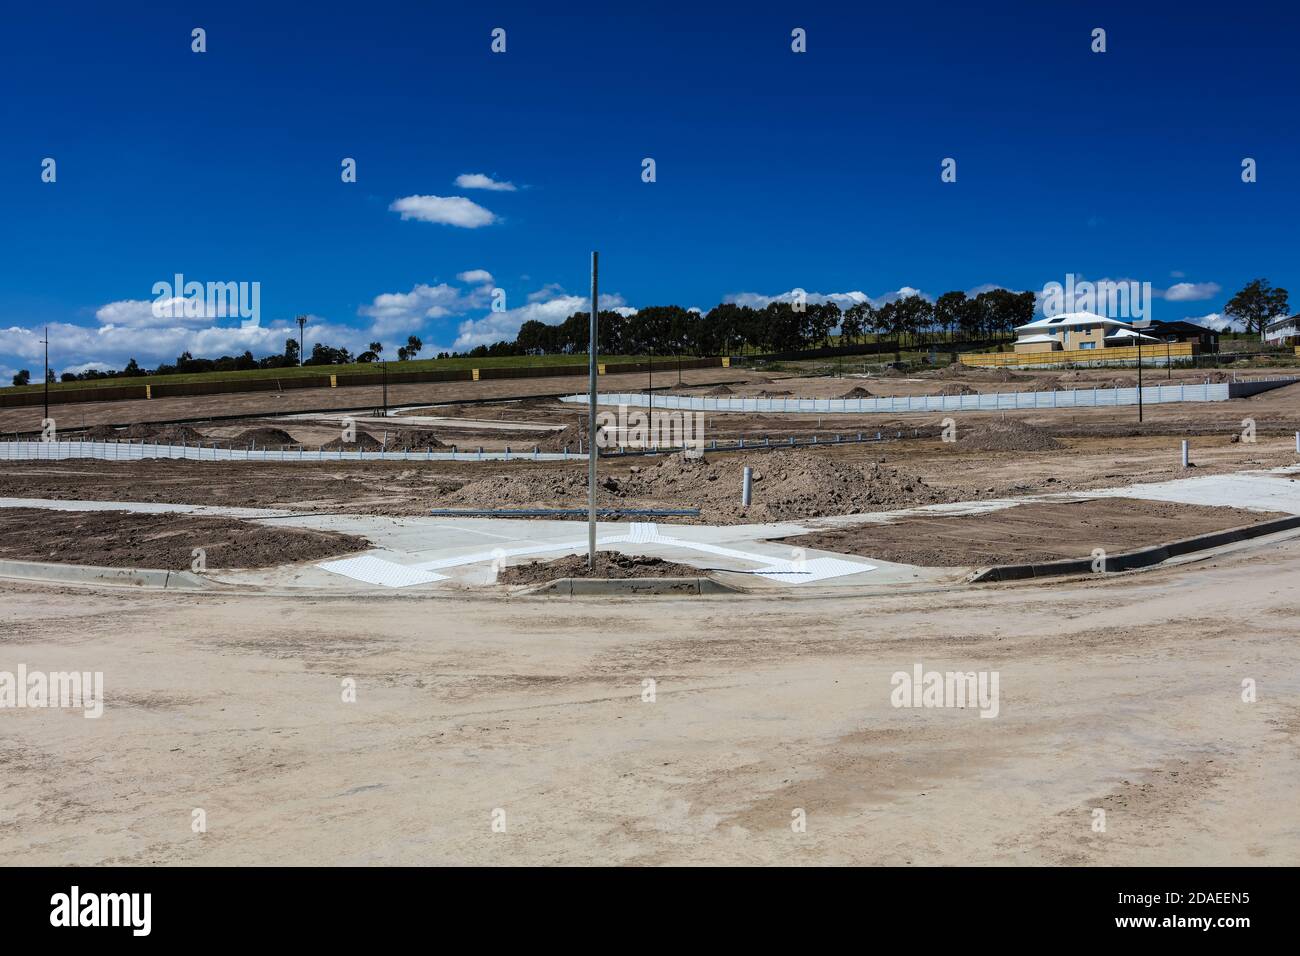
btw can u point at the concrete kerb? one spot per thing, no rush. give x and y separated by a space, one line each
1137 559
583 587
90 574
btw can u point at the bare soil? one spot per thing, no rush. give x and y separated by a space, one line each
609 564
1030 532
122 539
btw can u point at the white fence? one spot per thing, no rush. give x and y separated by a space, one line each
135 451
988 401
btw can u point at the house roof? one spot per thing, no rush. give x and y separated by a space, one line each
1130 334
1031 339
1068 320
1283 322
1159 326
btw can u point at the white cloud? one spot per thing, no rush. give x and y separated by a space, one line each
1178 274
394 313
1192 291
476 276
480 181
504 326
142 314
548 291
756 300
1218 321
449 210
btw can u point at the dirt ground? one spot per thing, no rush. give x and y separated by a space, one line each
166 542
665 731
1032 532
609 564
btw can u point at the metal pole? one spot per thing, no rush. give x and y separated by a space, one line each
385 389
1139 341
46 376
1185 444
747 487
302 325
591 420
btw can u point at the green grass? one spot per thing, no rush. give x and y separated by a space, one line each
415 365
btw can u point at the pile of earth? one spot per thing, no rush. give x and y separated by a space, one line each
413 439
550 487
364 442
766 394
609 564
856 392
1006 434
958 388
719 390
262 438
177 435
570 436
786 485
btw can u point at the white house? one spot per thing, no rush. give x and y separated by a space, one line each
1076 330
1284 331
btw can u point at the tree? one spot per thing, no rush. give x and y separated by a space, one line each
857 319
413 346
377 348
948 310
290 351
23 377
1257 304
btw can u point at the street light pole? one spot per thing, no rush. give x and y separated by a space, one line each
592 369
46 376
302 325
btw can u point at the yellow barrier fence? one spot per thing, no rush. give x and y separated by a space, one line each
1123 353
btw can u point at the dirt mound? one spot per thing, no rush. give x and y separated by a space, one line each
958 388
609 564
138 431
787 484
767 394
719 390
1007 435
857 392
364 441
262 438
413 439
570 436
177 435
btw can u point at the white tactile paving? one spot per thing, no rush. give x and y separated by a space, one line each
372 570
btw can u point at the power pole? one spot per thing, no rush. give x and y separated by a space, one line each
385 364
302 325
591 422
46 377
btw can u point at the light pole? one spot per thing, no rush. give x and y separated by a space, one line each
302 325
1139 341
46 377
591 422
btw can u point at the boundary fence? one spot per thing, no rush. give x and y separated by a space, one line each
137 451
985 402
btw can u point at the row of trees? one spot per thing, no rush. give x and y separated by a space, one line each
780 327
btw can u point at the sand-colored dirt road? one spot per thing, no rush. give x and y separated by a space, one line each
1124 696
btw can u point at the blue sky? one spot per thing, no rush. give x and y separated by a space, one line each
775 170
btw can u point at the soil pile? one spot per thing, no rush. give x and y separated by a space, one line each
177 435
101 433
567 437
262 438
767 394
609 564
1009 434
857 392
787 484
958 388
719 390
364 442
413 439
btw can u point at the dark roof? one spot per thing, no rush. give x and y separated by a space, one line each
1187 328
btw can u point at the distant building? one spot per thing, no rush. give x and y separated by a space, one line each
1283 331
1199 335
1073 331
